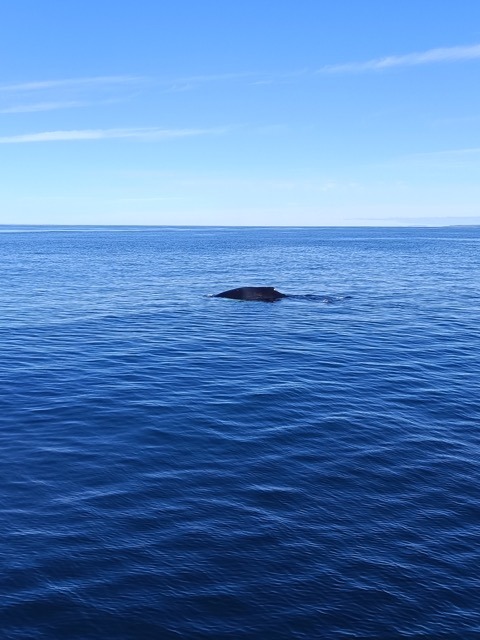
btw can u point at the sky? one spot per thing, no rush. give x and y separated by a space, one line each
220 112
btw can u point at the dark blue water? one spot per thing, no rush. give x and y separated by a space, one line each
180 466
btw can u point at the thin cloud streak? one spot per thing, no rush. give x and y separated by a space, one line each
146 134
55 106
219 77
447 153
446 54
253 78
72 83
44 106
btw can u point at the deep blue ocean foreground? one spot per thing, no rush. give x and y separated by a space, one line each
175 465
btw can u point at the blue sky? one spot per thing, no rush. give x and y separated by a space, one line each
306 112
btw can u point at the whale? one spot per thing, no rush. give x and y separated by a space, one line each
261 294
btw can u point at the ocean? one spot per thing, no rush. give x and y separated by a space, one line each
175 465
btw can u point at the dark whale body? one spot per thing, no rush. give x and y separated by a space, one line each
263 294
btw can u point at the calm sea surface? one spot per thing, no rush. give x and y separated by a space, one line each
175 465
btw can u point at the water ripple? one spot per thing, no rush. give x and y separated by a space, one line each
178 466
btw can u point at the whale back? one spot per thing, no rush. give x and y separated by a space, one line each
264 294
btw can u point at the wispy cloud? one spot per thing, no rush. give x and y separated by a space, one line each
253 78
67 93
72 83
44 106
57 105
446 54
143 133
438 156
217 77
466 152
189 83
408 165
